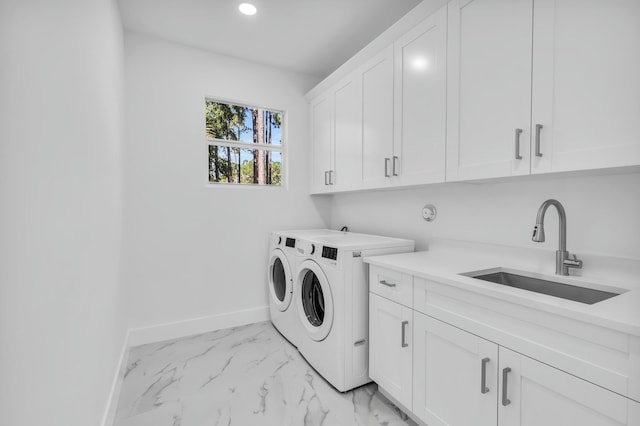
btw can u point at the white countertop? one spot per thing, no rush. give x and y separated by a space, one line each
444 264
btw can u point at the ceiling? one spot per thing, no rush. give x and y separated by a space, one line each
313 37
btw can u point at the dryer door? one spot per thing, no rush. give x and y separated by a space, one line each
280 282
314 300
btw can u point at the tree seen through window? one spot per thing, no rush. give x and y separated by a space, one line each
247 146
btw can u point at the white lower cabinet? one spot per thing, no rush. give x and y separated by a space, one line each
452 358
533 393
455 375
390 347
461 379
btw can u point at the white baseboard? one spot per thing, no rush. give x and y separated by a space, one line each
112 402
175 330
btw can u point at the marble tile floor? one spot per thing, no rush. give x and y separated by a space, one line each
245 376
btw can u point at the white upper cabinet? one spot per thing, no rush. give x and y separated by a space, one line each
539 86
586 84
321 143
377 119
486 89
336 136
420 90
347 171
489 85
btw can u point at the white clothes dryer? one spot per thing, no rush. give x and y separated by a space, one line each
281 268
332 303
282 265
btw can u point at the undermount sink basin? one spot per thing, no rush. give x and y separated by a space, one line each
544 286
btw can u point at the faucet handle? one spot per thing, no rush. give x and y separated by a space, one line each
573 263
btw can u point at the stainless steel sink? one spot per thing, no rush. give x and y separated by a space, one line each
545 286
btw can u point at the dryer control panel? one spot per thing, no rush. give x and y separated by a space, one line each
329 252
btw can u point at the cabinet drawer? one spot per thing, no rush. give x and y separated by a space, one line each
392 285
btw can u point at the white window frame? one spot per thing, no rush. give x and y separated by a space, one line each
282 148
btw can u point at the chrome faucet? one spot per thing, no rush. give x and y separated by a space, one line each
563 263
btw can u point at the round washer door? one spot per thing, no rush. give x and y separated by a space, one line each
314 300
280 282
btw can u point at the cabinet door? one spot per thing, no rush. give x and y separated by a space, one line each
347 172
390 347
377 119
420 103
489 88
455 375
321 142
532 393
586 84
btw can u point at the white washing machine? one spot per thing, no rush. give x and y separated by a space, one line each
332 303
281 270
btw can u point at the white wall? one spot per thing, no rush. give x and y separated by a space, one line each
194 250
61 322
602 213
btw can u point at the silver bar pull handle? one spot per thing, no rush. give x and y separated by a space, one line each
505 401
538 131
483 376
330 177
518 133
387 283
359 342
404 332
326 178
386 167
394 168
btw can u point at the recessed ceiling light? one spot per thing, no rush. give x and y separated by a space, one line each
247 9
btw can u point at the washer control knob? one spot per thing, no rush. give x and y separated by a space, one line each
279 240
313 248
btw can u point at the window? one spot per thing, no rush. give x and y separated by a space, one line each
245 144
